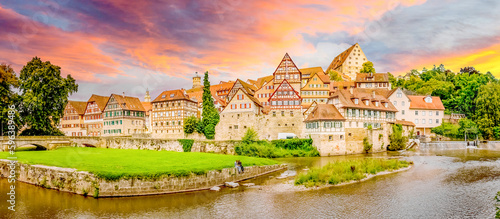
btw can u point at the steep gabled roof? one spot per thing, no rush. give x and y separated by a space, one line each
293 66
340 59
322 77
79 106
324 112
368 77
99 100
126 102
257 102
169 95
418 102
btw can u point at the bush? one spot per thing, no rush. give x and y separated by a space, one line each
187 144
210 131
448 130
396 138
190 124
250 136
294 144
270 150
366 145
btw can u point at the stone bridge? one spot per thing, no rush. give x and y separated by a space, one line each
53 142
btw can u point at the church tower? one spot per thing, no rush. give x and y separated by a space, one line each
147 98
197 81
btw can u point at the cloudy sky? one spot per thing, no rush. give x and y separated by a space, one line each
126 46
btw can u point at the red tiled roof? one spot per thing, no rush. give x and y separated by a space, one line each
147 107
324 112
169 95
101 101
347 100
418 102
369 77
79 106
311 71
130 103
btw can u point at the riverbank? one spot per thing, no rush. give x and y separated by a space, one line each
113 172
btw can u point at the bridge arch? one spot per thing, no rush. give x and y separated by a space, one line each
38 147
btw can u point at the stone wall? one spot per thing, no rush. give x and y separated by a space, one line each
233 126
84 183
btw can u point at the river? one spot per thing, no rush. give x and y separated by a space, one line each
445 182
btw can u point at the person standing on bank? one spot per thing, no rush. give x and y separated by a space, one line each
241 166
237 165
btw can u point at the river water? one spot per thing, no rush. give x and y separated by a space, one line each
447 181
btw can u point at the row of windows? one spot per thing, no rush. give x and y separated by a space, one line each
318 100
369 85
369 113
113 131
92 117
71 125
124 113
167 123
282 113
423 113
314 125
263 95
423 121
318 85
172 113
285 103
373 125
114 122
241 106
314 92
70 118
295 76
172 104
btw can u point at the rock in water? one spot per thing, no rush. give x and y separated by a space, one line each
231 184
215 188
248 184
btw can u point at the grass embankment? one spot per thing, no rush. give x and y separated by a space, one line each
113 164
278 148
344 171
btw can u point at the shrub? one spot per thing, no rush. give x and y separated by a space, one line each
250 136
396 138
190 124
293 144
370 127
366 145
187 144
210 131
270 150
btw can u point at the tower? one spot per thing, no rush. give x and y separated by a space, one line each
197 81
147 98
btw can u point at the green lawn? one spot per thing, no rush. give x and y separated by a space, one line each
113 164
348 170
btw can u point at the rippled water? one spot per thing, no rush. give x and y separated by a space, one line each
445 182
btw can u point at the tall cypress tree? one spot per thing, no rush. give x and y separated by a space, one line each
210 116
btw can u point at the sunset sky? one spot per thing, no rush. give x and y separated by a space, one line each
129 46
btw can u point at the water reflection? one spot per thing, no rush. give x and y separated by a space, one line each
446 182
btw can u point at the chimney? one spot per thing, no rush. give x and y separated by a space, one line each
123 94
351 90
373 94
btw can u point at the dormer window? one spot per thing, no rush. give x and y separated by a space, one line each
172 95
355 101
386 105
366 102
376 103
163 96
428 99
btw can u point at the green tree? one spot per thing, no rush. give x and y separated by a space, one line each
190 124
250 136
210 115
8 82
367 68
396 138
487 114
469 128
44 96
334 76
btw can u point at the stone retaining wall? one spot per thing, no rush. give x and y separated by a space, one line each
82 183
